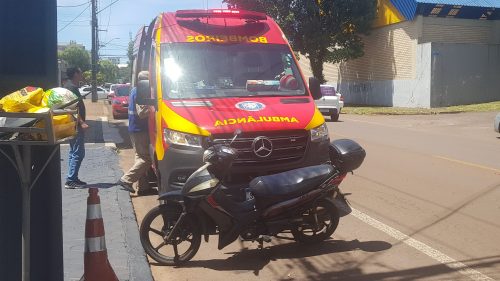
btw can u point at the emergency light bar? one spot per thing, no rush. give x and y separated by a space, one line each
220 13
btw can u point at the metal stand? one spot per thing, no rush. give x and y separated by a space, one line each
24 167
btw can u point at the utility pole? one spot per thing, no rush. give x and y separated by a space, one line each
95 46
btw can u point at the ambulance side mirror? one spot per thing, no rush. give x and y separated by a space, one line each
315 88
144 93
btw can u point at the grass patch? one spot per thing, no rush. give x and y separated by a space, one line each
366 110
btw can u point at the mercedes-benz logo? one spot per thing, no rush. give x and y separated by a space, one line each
262 146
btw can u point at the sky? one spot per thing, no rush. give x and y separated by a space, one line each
118 20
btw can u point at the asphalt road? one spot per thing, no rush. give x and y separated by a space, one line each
426 207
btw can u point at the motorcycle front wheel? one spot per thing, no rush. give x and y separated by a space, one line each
318 223
155 228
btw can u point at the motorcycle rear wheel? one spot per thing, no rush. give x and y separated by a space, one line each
318 223
155 228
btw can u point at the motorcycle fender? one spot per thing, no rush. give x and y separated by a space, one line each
174 196
342 205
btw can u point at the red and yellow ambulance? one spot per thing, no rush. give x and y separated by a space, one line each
215 71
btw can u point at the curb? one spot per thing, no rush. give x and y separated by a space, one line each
139 268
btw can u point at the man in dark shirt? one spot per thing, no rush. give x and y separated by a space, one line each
77 144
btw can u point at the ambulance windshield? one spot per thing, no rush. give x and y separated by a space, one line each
192 71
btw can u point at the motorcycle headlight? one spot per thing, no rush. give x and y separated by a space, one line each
174 137
319 133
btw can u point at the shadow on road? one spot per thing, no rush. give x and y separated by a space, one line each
94 133
257 259
340 269
329 120
103 185
123 131
353 272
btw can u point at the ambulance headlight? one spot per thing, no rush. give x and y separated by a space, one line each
174 137
319 133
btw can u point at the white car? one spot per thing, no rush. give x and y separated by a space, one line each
331 103
497 123
101 92
111 93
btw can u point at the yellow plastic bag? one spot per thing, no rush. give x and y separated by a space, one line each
64 126
22 100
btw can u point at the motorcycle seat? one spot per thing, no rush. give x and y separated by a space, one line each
290 184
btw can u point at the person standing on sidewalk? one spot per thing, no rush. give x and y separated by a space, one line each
139 136
77 144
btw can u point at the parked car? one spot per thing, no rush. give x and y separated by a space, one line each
331 103
111 92
107 86
119 102
497 123
101 92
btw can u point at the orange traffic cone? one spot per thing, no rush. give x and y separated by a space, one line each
96 264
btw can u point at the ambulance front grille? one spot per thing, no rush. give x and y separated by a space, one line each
288 146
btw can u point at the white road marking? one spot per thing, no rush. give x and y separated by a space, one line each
421 247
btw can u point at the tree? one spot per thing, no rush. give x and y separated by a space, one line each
87 77
77 57
124 74
108 71
130 54
322 30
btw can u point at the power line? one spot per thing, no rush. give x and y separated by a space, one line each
107 26
107 6
73 19
111 25
113 56
117 45
74 6
66 21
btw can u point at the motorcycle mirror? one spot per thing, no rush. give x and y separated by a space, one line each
236 134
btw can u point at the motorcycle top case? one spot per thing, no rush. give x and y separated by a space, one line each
347 155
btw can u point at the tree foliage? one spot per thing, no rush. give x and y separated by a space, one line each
77 57
87 78
322 30
124 74
108 71
130 54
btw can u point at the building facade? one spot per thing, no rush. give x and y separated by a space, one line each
424 55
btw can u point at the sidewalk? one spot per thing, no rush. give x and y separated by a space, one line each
101 168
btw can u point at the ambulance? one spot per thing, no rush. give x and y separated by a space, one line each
215 72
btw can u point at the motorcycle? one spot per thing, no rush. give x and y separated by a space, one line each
302 201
